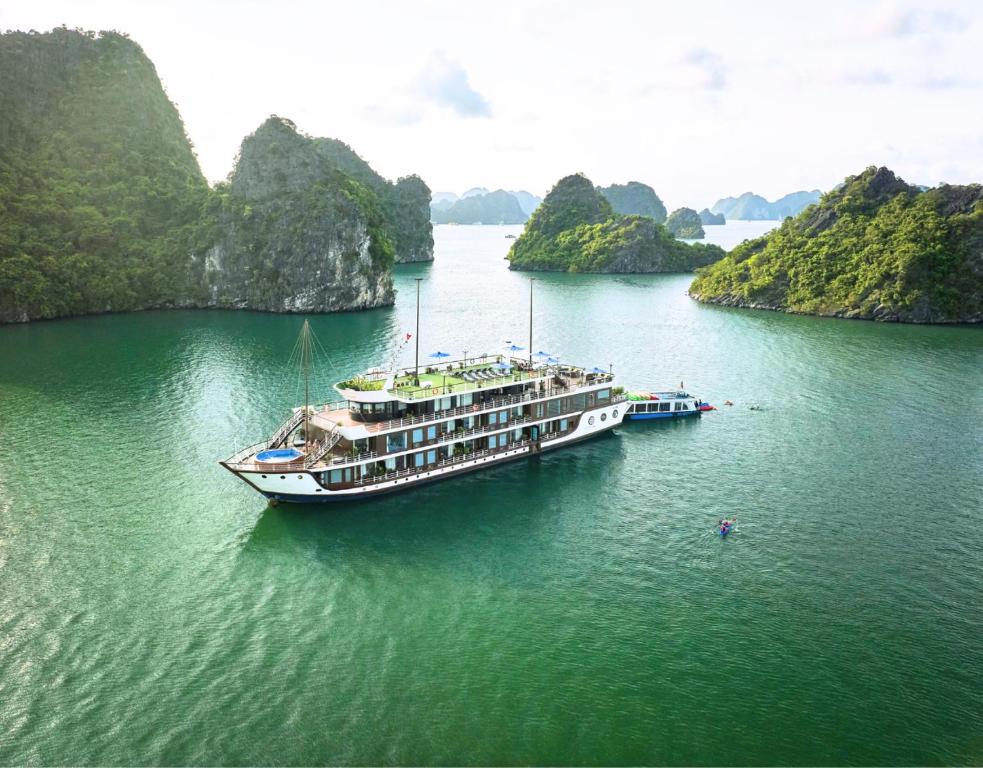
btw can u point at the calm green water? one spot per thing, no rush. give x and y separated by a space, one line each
572 609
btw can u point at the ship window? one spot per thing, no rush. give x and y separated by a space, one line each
431 457
517 412
469 422
493 441
466 399
604 394
590 421
390 464
348 475
493 418
563 425
516 434
418 459
445 403
432 432
553 407
503 417
449 426
663 407
335 476
539 410
679 407
396 442
579 401
417 435
604 417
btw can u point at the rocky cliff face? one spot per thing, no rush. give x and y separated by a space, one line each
874 248
294 233
685 223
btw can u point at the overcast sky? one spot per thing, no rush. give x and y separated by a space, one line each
699 100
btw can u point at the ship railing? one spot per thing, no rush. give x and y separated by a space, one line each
456 436
330 441
286 428
468 410
395 475
240 456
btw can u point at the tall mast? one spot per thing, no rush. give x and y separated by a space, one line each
531 281
416 367
306 352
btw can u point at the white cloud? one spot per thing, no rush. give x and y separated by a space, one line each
445 83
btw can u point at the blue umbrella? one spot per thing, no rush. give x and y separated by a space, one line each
542 355
598 370
514 348
503 366
440 354
552 360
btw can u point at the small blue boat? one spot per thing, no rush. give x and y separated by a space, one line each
664 405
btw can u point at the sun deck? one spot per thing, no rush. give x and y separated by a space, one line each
458 377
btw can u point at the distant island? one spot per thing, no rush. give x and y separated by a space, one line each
685 223
105 208
873 248
576 229
635 199
752 207
498 207
710 219
479 206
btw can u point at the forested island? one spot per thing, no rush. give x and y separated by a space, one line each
576 229
685 223
105 208
874 248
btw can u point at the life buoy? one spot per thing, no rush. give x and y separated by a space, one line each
433 391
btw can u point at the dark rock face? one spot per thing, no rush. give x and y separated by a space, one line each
635 199
685 223
874 248
712 219
576 230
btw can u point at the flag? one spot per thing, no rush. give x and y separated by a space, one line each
408 337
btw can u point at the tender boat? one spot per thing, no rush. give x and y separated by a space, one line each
664 405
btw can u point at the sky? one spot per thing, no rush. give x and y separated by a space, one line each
698 100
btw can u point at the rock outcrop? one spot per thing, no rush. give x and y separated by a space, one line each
294 233
685 223
709 219
498 207
635 199
874 248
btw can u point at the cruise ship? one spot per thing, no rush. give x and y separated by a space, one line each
393 430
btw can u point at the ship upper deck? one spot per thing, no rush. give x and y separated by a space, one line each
488 372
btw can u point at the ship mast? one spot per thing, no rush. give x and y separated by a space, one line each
531 281
306 362
416 366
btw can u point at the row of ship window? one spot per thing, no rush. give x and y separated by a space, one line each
422 459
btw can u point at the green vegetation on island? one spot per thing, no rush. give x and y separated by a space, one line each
103 206
576 229
635 198
874 248
685 223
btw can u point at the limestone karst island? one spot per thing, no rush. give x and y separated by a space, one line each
526 384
